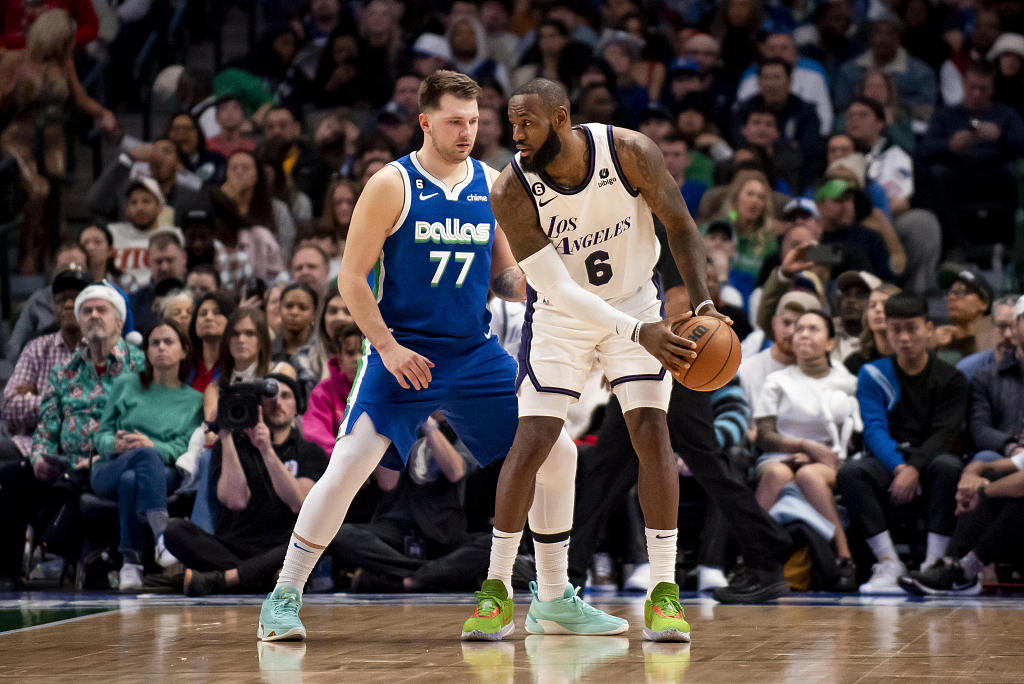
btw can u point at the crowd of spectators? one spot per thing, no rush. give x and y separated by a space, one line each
853 165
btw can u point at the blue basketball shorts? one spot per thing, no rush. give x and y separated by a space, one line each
472 386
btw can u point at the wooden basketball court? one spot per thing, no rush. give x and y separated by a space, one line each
414 638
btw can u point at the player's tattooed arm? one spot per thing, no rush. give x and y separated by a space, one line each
507 280
644 167
510 284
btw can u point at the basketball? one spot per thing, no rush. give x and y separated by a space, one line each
718 353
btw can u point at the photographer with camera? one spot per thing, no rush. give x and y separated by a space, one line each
244 356
263 469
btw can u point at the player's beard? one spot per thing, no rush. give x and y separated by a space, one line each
543 155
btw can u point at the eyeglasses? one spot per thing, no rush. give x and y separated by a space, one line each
958 291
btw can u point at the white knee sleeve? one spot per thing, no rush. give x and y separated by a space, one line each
354 459
555 492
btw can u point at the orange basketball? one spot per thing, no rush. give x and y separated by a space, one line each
718 353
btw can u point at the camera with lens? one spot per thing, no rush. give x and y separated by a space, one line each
239 405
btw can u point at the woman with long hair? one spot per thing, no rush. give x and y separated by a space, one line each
802 417
145 428
873 341
244 355
295 343
206 332
287 203
98 244
339 201
245 249
331 315
337 74
272 308
748 207
245 182
187 135
327 400
38 84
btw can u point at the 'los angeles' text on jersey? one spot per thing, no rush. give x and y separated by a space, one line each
602 228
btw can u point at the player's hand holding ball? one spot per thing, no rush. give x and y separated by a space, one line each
717 348
408 367
672 351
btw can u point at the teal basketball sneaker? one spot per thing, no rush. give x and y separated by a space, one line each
279 616
570 615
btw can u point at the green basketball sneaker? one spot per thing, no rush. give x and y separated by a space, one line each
492 619
570 615
663 615
279 616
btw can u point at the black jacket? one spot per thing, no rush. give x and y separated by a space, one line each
997 405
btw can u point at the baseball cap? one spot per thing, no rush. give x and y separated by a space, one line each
972 280
684 67
71 279
147 184
834 189
722 227
868 281
799 301
432 45
800 204
393 112
293 385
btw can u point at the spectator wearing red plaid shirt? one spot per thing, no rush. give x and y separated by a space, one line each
24 391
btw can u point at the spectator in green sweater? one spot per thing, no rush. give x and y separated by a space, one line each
145 427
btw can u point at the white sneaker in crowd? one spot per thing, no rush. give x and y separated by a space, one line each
884 578
602 577
709 579
164 558
639 579
130 577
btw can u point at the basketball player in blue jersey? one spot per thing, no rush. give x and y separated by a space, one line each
424 232
575 204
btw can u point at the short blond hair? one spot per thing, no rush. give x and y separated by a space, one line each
446 82
51 36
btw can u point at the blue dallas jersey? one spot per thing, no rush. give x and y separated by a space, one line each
432 278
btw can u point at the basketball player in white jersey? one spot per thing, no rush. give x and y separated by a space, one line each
575 204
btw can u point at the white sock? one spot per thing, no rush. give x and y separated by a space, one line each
937 544
298 563
552 569
972 565
504 547
709 577
882 546
661 553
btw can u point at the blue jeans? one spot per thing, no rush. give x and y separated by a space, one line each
986 456
140 482
206 508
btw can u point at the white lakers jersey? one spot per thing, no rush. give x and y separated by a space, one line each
602 228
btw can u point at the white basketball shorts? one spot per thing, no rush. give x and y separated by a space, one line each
558 352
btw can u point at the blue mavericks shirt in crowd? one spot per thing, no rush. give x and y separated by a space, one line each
432 278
